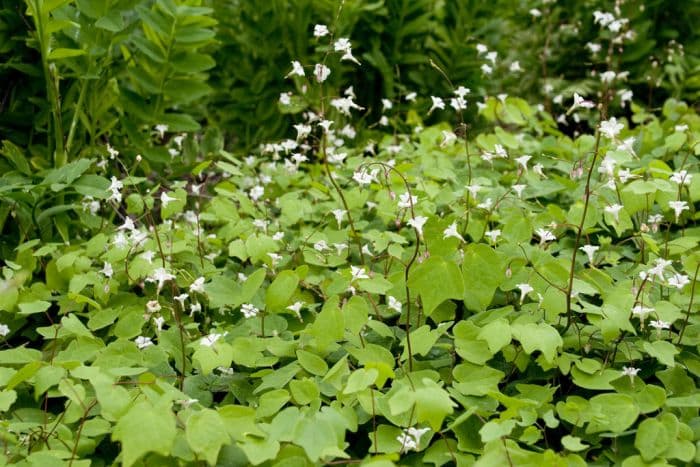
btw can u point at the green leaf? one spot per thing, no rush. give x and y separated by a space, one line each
312 363
652 439
612 412
280 291
496 334
540 336
145 428
360 379
573 443
663 351
7 398
433 404
206 433
436 270
61 53
483 271
31 308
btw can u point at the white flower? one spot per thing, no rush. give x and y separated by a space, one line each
593 47
181 298
195 308
417 223
297 69
641 312
197 286
274 258
581 102
545 235
302 131
614 210
590 251
115 187
678 207
160 275
410 438
519 188
491 56
107 270
393 304
285 98
407 201
321 30
487 204
522 161
678 281
358 273
611 128
524 290
682 177
165 199
339 248
210 339
500 151
148 256
143 342
515 67
326 125
344 104
659 325
485 69
343 45
451 231
658 270
411 96
249 310
539 170
321 72
321 245
481 49
438 103
152 306
161 129
458 103
362 177
4 330
473 189
608 76
338 214
159 322
448 137
493 235
296 308
256 192
630 371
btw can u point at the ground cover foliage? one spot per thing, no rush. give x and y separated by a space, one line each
446 276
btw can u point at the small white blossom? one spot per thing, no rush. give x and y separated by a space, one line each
152 306
678 281
210 339
166 199
522 161
448 137
321 72
321 30
608 76
249 310
545 235
160 275
143 342
678 207
4 330
339 214
358 273
296 308
590 251
630 371
659 325
493 235
524 290
438 103
611 128
161 129
681 177
256 192
418 222
614 210
407 201
107 270
393 304
343 45
451 231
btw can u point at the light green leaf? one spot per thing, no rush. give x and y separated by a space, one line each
280 291
436 270
206 433
145 428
